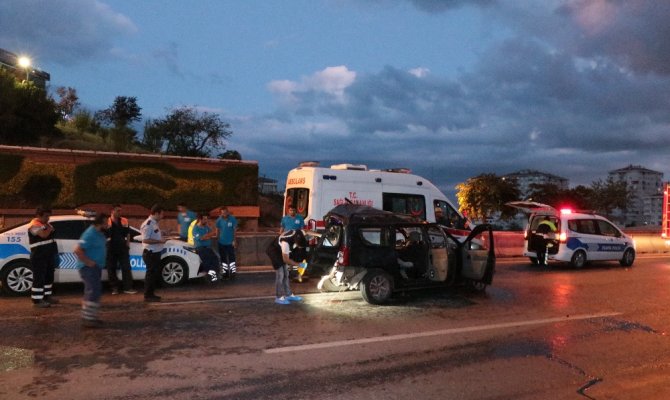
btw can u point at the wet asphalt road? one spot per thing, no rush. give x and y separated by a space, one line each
537 333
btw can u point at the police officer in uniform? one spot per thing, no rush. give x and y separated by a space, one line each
118 248
152 243
43 257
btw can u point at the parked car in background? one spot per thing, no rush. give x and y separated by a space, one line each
580 236
379 253
180 262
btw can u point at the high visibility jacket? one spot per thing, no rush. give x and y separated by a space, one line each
550 225
37 243
124 222
189 238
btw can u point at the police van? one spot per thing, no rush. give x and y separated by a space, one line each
580 237
315 190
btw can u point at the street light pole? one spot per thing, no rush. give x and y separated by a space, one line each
24 62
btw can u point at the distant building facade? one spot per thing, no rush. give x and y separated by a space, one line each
267 185
646 186
10 62
527 177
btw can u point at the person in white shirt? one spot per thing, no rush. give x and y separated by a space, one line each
152 243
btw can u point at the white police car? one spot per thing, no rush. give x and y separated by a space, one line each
180 262
580 237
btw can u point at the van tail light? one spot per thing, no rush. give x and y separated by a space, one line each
525 235
563 237
343 256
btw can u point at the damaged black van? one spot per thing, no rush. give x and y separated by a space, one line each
379 253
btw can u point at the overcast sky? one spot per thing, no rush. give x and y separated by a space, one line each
448 88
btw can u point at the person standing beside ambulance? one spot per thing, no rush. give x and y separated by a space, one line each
43 258
291 221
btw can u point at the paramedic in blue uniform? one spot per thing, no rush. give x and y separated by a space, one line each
226 225
292 221
152 243
91 254
43 257
118 248
202 240
184 218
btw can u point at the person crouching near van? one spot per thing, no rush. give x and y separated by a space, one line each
92 253
280 252
202 240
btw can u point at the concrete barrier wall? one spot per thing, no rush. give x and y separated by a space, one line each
251 249
511 244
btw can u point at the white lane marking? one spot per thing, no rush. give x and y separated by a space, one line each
451 331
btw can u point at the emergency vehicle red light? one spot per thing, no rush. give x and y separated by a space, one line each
563 237
566 211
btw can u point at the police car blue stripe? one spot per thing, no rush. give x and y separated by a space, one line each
67 261
8 250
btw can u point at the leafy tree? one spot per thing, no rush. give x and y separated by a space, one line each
482 196
84 121
26 112
152 139
546 193
68 102
610 194
120 115
187 132
230 155
579 197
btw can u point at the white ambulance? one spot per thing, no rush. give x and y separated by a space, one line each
315 190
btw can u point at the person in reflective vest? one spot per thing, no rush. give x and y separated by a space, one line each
43 257
545 230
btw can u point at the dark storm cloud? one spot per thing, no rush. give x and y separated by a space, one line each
636 33
549 97
66 31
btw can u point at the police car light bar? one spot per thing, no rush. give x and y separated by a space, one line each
566 211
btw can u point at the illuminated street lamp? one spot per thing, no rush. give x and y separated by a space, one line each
24 62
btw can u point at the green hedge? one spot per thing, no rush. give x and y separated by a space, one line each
28 184
11 164
147 183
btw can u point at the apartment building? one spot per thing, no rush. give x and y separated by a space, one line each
646 186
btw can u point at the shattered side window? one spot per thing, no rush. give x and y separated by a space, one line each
371 236
331 237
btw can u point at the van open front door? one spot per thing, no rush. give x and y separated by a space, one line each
477 256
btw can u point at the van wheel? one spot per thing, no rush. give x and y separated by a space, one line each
174 271
17 278
578 259
628 258
377 287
